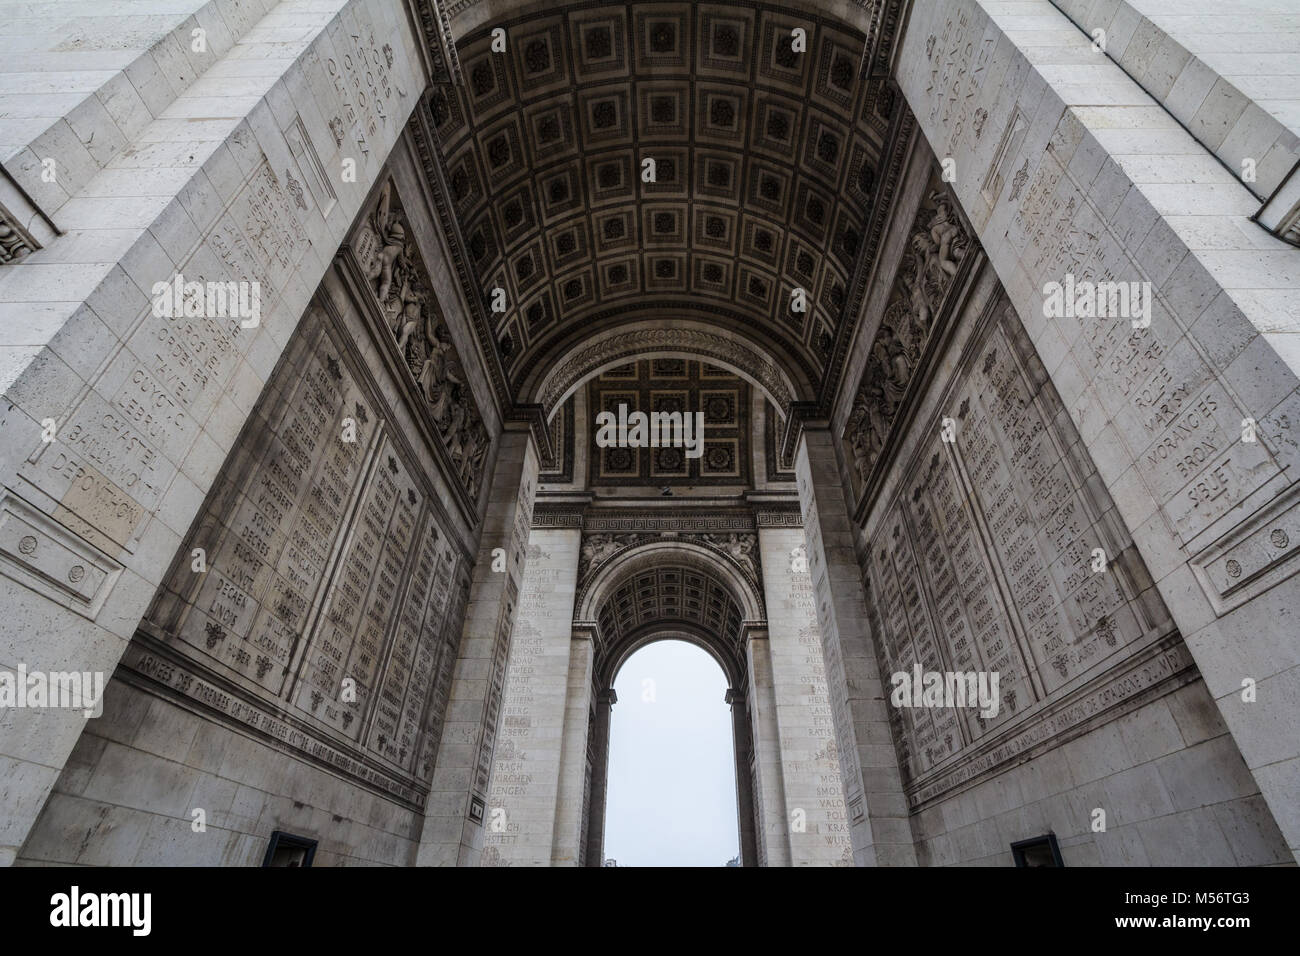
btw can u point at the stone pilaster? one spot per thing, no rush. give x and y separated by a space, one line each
458 798
605 701
530 734
742 746
146 408
810 766
873 789
772 841
571 792
1054 197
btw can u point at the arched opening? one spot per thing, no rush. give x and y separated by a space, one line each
672 774
643 595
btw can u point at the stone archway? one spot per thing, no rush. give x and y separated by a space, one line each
587 357
650 592
734 669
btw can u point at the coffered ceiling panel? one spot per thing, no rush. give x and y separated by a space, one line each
671 595
766 163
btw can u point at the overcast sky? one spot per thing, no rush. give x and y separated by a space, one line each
672 773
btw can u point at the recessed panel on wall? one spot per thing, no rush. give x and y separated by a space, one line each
999 551
317 598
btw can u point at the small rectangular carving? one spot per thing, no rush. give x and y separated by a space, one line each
39 553
1254 557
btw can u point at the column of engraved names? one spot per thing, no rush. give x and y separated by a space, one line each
825 762
368 650
937 593
349 642
897 653
264 572
453 581
390 735
1021 488
517 553
906 617
421 691
511 777
971 619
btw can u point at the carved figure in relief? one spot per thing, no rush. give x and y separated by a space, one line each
597 548
391 263
739 547
935 250
392 236
476 443
946 233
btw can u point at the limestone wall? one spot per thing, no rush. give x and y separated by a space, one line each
1189 419
994 548
305 633
216 180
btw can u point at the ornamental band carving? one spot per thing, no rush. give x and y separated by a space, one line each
390 260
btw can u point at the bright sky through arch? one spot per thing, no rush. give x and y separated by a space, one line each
672 772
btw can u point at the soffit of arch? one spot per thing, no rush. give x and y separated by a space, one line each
663 339
729 656
774 164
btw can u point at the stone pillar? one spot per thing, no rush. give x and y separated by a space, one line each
772 843
572 792
147 407
873 787
454 816
810 767
605 701
1061 184
742 746
526 767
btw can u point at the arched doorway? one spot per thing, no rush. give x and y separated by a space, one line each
672 774
661 589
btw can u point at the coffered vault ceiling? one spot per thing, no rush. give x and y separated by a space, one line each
767 165
667 596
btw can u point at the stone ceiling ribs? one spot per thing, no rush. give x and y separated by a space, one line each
768 165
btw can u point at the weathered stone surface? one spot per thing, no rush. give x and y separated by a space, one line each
416 586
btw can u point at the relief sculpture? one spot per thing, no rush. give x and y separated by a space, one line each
391 263
938 245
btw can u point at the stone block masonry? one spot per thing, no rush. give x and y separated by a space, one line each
208 182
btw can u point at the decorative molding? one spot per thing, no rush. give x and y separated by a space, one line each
439 43
927 292
1255 556
1154 673
40 554
778 514
737 548
535 419
677 520
635 344
16 243
800 415
431 161
902 137
561 427
558 516
389 261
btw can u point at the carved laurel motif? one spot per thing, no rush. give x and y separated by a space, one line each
936 248
392 266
